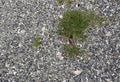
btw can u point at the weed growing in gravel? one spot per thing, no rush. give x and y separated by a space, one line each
37 41
38 38
72 26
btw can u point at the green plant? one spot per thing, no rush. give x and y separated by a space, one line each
38 38
73 25
37 41
36 44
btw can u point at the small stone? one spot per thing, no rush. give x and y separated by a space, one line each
107 42
77 5
23 31
82 3
81 58
20 45
107 7
109 80
38 51
64 80
18 31
77 72
43 29
61 16
108 34
2 54
63 6
7 65
79 44
59 55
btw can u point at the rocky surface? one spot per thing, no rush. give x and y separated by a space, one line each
22 20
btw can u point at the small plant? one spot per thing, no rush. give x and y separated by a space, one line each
38 38
36 44
37 41
72 26
74 23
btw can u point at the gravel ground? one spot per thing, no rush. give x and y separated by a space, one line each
22 20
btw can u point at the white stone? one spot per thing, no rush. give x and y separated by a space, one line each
81 58
38 51
59 55
77 5
18 31
42 33
22 31
14 72
63 6
64 81
7 65
2 54
107 42
82 3
77 72
109 80
43 29
79 44
108 34
20 45
61 16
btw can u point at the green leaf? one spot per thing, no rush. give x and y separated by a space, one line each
38 38
36 44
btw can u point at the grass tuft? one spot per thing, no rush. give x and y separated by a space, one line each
38 38
36 44
73 25
37 41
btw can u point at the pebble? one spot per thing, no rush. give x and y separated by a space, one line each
59 55
20 44
60 16
77 72
108 34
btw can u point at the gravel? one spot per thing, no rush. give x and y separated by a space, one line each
22 20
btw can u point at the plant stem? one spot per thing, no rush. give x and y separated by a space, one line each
71 40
